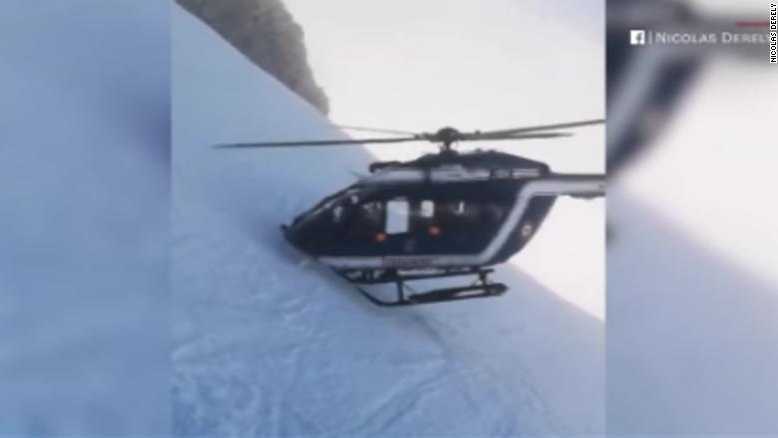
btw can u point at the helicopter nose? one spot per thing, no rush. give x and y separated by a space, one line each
292 236
289 234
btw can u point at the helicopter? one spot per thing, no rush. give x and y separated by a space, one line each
444 214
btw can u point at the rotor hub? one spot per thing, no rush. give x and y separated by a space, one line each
447 136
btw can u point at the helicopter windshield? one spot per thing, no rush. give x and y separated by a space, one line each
338 206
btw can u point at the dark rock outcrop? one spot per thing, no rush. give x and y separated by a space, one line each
266 33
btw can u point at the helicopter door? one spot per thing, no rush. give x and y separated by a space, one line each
397 216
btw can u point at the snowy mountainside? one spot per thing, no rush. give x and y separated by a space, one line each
267 344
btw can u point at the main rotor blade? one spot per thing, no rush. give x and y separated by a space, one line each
280 144
544 127
540 135
376 130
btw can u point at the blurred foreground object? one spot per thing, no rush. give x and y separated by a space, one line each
692 296
655 50
84 210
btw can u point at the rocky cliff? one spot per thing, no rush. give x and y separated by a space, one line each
266 33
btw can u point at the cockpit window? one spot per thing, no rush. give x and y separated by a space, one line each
337 214
367 221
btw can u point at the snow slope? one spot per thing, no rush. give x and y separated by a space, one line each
84 136
267 344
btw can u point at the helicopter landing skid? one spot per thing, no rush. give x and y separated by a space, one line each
482 288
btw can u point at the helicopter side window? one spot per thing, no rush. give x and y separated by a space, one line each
427 209
397 216
371 215
493 213
459 208
457 216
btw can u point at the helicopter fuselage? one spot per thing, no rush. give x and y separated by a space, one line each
440 211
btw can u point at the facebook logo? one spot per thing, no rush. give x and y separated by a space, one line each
637 37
